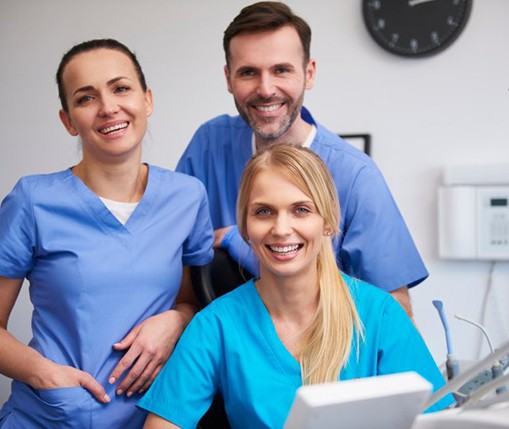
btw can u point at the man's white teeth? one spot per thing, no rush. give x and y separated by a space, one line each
284 249
270 108
117 127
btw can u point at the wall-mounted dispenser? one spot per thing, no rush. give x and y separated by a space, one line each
473 213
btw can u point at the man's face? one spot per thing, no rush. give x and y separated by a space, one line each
267 78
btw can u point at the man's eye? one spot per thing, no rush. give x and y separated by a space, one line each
247 73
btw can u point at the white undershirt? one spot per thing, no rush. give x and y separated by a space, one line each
122 211
311 136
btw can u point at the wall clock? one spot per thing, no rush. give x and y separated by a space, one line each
415 28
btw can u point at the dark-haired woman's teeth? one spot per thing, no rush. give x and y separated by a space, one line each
113 128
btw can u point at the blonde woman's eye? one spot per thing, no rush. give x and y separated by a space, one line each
262 212
302 210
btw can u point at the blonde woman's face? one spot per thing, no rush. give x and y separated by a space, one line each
284 227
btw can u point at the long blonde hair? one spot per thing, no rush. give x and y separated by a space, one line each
336 321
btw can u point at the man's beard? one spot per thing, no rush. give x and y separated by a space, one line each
284 126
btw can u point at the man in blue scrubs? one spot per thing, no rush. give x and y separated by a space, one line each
268 68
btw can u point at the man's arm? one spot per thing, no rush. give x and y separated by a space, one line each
229 238
219 235
403 297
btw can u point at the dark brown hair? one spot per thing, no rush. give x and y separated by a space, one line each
267 16
92 45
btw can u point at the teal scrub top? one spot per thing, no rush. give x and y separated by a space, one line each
232 347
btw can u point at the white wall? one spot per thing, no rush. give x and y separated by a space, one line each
423 114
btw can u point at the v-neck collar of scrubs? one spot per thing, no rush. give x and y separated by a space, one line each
268 331
103 215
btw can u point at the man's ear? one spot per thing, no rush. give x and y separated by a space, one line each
310 73
66 120
227 76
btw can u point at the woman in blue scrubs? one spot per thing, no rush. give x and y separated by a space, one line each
301 322
105 246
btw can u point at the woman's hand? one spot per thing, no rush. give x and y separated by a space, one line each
55 376
148 345
25 364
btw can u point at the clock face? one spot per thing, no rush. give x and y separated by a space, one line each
415 28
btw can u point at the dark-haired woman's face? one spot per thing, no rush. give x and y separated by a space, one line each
108 108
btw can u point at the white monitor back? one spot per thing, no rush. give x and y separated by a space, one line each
388 401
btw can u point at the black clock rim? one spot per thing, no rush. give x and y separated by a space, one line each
427 53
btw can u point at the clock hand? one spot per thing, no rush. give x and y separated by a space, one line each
417 2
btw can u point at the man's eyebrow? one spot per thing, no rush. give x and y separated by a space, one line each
246 68
283 65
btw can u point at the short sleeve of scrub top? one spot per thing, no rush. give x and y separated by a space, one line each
17 231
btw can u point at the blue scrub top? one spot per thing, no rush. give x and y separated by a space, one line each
92 280
374 244
232 347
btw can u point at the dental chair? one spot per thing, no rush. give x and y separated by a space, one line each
222 275
211 281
